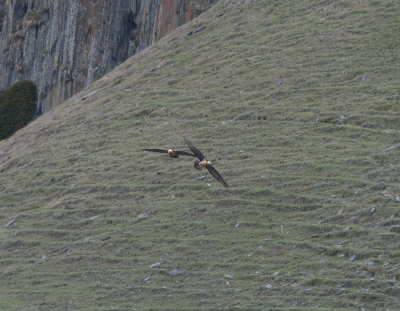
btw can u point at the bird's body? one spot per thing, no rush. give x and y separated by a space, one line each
198 165
203 162
172 153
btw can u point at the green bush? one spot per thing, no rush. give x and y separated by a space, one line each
17 107
2 15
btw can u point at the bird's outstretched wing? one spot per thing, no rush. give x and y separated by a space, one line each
157 150
195 150
216 175
185 153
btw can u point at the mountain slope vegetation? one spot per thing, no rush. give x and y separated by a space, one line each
298 103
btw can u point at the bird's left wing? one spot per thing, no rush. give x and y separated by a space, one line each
157 150
195 150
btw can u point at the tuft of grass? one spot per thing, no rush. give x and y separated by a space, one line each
297 102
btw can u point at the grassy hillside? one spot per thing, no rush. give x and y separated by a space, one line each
299 103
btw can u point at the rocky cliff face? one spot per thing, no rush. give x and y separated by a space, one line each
63 46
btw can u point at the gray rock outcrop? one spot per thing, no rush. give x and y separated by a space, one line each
63 46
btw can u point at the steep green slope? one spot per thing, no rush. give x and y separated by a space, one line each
297 100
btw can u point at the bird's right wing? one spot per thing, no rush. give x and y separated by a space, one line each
216 175
185 153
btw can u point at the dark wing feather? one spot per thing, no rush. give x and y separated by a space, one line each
195 150
216 175
157 150
185 153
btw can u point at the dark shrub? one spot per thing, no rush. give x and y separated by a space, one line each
17 107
